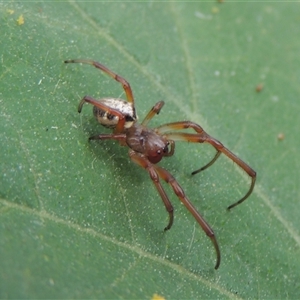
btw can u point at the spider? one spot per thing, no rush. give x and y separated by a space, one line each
148 146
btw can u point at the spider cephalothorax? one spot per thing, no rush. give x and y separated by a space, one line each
148 146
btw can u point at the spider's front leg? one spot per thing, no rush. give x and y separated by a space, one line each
202 137
145 163
155 172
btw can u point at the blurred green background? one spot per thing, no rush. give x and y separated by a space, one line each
79 220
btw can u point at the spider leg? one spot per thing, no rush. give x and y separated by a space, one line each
145 163
123 81
155 172
121 122
208 164
172 150
121 137
167 177
154 110
202 137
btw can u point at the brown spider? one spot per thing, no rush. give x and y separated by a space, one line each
148 146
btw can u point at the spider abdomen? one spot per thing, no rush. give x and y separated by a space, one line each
109 120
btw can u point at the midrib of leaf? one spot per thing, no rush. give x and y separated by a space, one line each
88 231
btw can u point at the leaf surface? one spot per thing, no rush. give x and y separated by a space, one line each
79 220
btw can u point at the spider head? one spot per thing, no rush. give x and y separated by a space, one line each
147 142
158 151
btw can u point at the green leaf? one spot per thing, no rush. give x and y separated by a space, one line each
79 220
